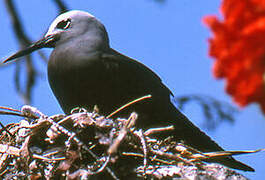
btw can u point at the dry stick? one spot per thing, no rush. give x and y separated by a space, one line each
11 113
170 156
18 114
11 150
32 111
69 117
103 166
142 156
141 136
51 153
10 109
6 130
122 134
65 131
81 144
189 148
36 156
129 104
158 130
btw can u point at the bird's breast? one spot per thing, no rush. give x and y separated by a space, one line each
77 83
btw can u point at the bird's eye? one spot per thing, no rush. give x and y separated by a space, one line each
64 24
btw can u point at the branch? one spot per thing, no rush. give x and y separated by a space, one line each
61 6
214 111
23 41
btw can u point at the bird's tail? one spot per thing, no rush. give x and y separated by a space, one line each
232 163
193 136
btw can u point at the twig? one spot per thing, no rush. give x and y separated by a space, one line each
142 156
6 130
129 104
10 109
12 113
170 156
158 130
60 4
122 134
141 136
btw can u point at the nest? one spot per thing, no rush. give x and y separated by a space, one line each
86 145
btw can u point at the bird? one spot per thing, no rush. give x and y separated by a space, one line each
84 71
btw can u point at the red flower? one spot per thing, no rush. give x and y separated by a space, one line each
238 47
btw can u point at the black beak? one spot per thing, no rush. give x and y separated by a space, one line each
47 41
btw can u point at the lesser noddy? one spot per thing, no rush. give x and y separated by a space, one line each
84 71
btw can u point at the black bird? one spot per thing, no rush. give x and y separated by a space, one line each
84 71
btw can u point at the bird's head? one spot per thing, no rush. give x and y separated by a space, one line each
73 28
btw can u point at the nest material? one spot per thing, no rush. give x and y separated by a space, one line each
86 145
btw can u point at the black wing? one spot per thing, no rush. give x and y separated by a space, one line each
160 111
